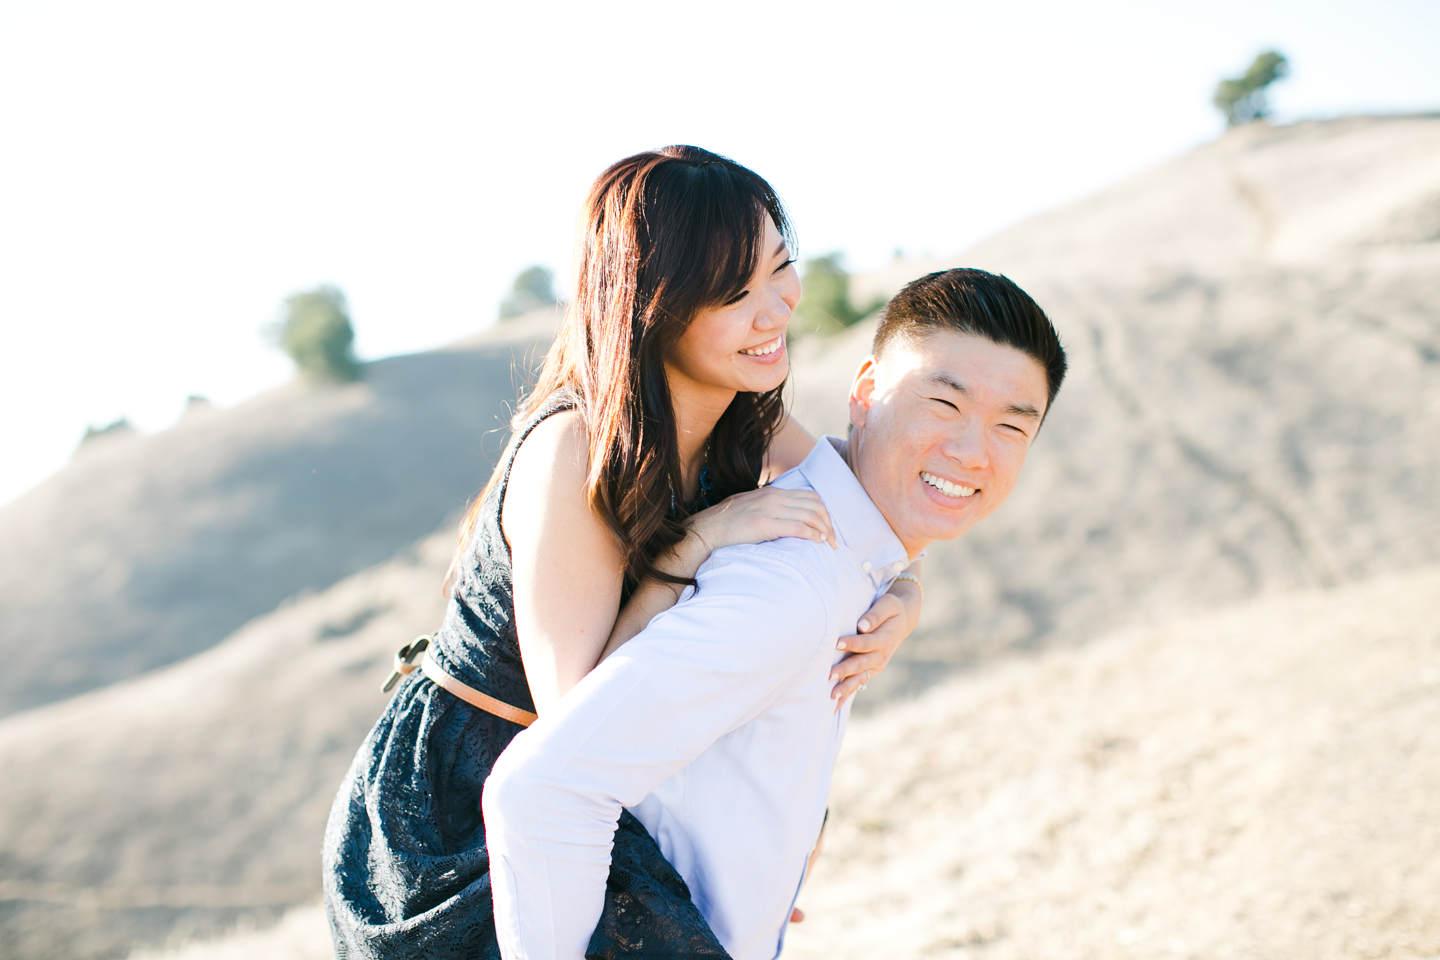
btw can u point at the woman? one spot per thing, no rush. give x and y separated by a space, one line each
656 416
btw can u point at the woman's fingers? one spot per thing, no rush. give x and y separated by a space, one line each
765 514
882 612
848 687
882 629
817 522
807 504
869 652
867 664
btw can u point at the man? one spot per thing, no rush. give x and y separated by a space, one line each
714 725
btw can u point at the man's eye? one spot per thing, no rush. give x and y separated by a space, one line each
947 403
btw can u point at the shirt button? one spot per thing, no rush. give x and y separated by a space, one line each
865 566
899 567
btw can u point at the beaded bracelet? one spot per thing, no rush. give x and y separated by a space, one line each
911 576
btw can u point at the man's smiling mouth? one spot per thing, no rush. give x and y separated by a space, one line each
953 490
765 349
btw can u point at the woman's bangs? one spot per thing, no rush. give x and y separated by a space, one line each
727 229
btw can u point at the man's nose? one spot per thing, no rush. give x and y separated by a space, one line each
966 444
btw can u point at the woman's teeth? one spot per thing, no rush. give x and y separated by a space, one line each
765 349
945 486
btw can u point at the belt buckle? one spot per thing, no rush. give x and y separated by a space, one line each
405 659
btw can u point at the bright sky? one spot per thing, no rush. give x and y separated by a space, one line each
169 172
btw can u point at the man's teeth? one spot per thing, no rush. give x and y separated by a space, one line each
765 349
945 486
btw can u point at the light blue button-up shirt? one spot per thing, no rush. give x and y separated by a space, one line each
714 726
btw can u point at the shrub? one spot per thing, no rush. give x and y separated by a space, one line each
825 307
119 428
317 334
533 289
1242 99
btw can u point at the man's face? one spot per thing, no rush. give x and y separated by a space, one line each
942 426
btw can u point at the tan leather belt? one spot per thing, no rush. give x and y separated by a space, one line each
474 697
405 663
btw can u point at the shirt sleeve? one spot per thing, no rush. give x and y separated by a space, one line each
698 671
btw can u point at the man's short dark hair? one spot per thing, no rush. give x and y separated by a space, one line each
980 304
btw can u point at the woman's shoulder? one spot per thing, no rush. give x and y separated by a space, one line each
549 473
558 441
789 447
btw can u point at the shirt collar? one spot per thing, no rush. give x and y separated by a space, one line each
858 522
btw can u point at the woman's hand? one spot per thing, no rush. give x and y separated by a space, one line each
884 626
768 513
754 517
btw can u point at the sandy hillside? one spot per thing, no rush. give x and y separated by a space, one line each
144 551
1255 397
194 798
1254 401
1258 783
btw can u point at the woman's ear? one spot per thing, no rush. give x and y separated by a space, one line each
862 391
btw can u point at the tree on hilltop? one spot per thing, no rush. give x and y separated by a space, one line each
533 289
317 334
1242 99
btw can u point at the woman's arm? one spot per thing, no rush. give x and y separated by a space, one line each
744 518
567 566
883 627
753 517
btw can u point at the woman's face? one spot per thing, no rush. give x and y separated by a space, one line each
740 346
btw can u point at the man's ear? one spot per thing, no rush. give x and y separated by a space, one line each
862 390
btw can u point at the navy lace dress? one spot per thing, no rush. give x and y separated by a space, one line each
406 872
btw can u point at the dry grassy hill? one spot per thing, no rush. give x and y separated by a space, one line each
1254 403
194 797
1258 783
1255 330
145 551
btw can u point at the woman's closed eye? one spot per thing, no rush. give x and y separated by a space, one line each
736 299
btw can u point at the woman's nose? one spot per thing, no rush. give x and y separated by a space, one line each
774 312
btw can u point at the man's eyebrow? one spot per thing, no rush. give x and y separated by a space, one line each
1023 410
945 380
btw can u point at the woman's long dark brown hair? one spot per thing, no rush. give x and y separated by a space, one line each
663 235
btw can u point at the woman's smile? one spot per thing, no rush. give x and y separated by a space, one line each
768 352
